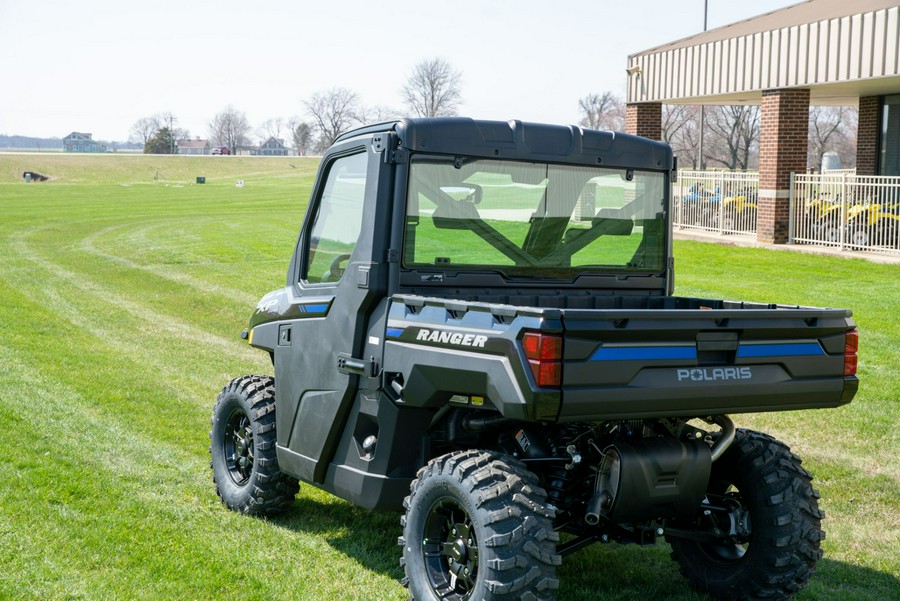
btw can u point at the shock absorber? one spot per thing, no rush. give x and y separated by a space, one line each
559 479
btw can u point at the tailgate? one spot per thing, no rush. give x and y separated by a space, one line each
654 363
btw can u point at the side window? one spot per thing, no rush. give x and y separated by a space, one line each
338 219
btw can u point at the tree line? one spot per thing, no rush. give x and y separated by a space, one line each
434 88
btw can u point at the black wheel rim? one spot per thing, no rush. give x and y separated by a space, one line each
451 550
239 447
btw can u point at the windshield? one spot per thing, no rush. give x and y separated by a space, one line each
533 219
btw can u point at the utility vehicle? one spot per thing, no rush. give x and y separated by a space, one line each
478 329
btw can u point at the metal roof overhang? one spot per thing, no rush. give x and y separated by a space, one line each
838 57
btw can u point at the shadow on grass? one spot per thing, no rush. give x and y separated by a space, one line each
598 573
369 537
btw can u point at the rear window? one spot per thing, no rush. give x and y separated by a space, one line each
534 219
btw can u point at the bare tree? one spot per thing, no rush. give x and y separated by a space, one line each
333 112
681 129
143 130
271 128
602 111
166 119
733 135
230 128
377 114
830 128
432 89
845 145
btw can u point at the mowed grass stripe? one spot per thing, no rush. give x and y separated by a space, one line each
116 298
115 237
118 482
190 228
86 359
135 340
140 511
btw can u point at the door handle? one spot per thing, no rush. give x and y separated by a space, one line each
352 366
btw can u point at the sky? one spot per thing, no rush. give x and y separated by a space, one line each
100 65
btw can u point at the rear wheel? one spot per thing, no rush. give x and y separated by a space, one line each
476 528
860 236
773 519
242 449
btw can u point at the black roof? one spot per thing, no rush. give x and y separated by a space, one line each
524 141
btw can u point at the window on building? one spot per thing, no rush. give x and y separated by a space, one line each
890 136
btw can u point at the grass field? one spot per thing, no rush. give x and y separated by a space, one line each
122 297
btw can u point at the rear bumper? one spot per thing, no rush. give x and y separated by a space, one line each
705 397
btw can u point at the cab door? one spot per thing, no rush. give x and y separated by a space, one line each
337 279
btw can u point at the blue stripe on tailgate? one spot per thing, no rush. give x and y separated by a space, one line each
800 349
644 353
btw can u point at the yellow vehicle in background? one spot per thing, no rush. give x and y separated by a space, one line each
874 224
739 211
823 213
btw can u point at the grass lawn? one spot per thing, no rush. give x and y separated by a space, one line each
122 298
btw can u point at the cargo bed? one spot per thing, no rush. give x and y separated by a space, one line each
644 356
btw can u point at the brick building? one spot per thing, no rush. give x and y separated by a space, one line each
819 52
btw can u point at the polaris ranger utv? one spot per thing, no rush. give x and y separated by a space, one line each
478 329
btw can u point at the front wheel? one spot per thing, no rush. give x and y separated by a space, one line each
242 449
832 232
476 528
774 522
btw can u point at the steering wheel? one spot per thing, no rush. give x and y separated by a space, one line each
335 271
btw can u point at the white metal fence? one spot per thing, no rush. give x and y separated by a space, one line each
837 208
723 202
846 211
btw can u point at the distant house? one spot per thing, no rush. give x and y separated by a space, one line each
197 146
273 147
82 142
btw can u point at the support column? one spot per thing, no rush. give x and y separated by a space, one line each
644 120
783 135
867 136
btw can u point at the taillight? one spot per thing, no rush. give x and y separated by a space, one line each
851 347
544 353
